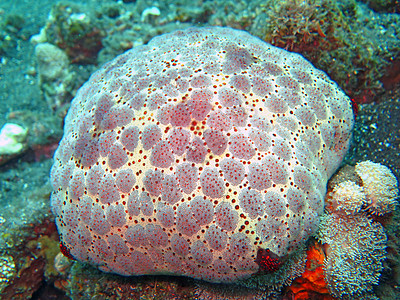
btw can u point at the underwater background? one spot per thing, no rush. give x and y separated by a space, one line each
357 43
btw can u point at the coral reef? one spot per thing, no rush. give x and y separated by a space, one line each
355 241
51 61
302 26
28 260
268 286
56 79
75 31
12 139
7 270
331 34
364 47
213 167
11 33
311 283
346 198
379 186
86 282
366 188
355 255
339 37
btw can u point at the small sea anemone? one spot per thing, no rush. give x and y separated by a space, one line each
380 187
355 254
346 198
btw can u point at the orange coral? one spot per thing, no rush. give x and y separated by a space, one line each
311 284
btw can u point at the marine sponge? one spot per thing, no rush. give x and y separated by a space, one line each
355 254
380 187
191 154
